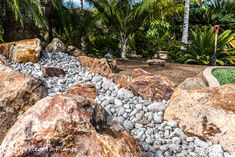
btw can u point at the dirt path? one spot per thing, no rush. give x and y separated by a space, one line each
175 72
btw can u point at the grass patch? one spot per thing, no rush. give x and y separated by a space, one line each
224 76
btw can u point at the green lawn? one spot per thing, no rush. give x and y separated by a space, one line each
225 76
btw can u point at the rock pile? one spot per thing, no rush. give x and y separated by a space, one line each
143 118
141 83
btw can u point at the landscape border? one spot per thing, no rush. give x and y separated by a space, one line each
211 80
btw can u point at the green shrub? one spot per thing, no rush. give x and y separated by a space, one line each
153 37
100 43
201 49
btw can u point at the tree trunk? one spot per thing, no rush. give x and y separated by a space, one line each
83 43
82 5
186 23
83 38
123 47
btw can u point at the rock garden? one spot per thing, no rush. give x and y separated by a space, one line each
56 102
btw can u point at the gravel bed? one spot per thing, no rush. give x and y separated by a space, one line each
143 118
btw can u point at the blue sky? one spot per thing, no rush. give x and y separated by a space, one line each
77 3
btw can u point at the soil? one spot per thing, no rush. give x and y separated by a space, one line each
177 73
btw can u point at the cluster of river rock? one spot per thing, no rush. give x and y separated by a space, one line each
56 104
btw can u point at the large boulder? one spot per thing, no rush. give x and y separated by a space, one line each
99 66
84 90
207 112
67 126
17 93
22 51
152 87
139 72
56 45
121 80
192 83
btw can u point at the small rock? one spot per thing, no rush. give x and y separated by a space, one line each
138 106
175 148
124 93
176 140
215 151
159 153
157 119
201 152
128 124
96 79
138 126
178 132
139 115
164 147
121 111
201 143
133 112
117 102
157 107
149 116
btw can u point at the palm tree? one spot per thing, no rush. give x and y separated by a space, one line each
186 23
31 7
121 16
36 10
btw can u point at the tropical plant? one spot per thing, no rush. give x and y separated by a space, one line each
214 12
202 48
160 32
161 9
120 15
225 6
39 12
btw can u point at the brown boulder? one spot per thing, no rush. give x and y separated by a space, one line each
152 87
99 66
67 126
208 113
121 80
84 90
56 45
139 72
22 51
17 93
52 71
192 83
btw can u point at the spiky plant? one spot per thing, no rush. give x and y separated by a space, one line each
201 50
